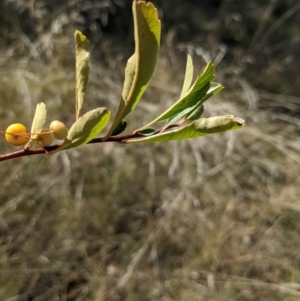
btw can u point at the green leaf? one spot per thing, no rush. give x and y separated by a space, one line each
130 71
82 52
198 128
191 99
196 114
120 128
214 89
147 132
140 66
86 128
188 78
194 95
186 111
39 118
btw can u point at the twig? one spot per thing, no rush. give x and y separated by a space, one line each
120 139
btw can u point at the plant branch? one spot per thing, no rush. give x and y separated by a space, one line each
30 152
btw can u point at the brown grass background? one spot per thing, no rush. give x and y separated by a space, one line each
215 218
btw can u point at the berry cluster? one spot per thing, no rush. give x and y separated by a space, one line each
17 135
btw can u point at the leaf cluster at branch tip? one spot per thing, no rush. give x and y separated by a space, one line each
182 119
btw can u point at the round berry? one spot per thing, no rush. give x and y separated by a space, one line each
44 139
59 129
16 135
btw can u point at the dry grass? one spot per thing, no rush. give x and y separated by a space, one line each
214 218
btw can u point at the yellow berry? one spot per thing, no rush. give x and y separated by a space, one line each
44 139
15 134
59 129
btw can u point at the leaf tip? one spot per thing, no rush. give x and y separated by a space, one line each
239 121
82 40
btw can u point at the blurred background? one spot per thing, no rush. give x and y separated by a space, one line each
215 218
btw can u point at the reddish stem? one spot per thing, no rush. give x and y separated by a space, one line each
36 151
